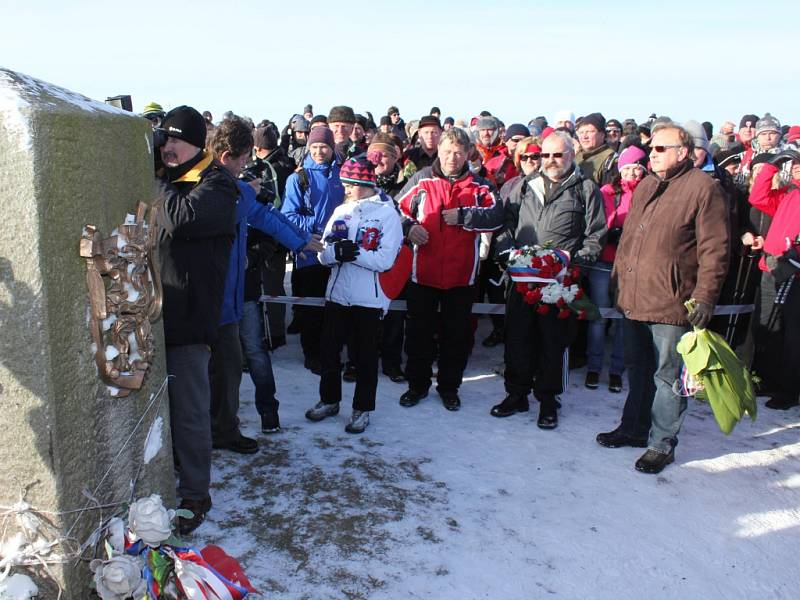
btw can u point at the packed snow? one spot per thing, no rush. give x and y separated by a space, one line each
439 505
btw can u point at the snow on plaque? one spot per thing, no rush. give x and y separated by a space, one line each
125 297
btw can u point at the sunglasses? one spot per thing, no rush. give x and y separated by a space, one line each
527 157
552 154
660 149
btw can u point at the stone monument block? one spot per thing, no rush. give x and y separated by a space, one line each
67 162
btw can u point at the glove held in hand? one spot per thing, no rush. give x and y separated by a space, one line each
345 251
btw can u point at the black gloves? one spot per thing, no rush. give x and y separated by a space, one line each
784 156
584 259
345 251
613 236
701 315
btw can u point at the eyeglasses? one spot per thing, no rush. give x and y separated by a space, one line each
664 148
552 154
531 157
613 130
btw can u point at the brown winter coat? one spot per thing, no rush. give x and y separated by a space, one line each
674 246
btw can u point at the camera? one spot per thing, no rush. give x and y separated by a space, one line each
159 137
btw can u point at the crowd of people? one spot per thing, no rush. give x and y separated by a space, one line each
653 214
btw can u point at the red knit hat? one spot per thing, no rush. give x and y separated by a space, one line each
794 133
358 171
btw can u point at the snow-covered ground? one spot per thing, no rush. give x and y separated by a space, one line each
440 505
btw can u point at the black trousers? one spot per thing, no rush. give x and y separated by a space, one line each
342 322
534 349
392 336
225 375
455 332
789 365
273 273
768 338
310 282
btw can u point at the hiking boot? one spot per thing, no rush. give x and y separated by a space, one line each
322 411
493 339
450 400
313 364
412 397
349 373
240 445
615 383
620 439
358 421
781 403
270 423
395 374
198 508
548 416
654 461
512 404
592 380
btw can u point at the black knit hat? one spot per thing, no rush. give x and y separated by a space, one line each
386 120
428 121
516 129
435 110
752 119
595 119
265 137
318 119
341 114
186 124
362 120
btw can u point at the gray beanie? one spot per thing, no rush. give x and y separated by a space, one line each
698 134
767 123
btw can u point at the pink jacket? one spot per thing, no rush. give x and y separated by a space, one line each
615 215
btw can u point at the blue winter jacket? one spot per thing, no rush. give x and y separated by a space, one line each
268 219
311 210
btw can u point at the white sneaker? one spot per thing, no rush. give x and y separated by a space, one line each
358 422
322 411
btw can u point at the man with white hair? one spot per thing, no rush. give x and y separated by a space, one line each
564 207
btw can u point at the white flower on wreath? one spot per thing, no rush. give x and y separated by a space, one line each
149 521
118 578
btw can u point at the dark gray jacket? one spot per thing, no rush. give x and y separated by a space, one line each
569 214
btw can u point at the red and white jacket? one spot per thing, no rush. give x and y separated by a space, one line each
450 258
783 205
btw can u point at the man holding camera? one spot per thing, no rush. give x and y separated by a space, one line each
197 201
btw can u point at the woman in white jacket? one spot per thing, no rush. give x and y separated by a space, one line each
362 239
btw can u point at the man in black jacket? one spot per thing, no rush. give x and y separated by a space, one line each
266 264
197 200
563 206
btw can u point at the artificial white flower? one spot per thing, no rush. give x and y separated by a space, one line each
149 521
118 578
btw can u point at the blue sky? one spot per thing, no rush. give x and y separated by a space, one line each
518 59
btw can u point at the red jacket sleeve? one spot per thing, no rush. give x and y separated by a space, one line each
762 196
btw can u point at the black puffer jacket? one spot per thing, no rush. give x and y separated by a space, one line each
569 214
197 226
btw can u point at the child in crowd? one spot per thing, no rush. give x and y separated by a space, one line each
362 239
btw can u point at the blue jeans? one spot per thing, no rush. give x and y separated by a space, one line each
599 279
653 366
251 334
